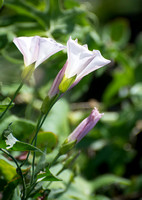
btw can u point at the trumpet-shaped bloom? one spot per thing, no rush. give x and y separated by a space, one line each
37 49
80 62
85 126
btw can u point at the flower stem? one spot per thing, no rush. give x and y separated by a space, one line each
18 89
37 129
19 172
39 125
35 142
54 160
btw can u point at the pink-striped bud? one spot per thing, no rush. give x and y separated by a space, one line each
85 126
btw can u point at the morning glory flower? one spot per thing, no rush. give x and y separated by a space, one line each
80 62
37 49
85 126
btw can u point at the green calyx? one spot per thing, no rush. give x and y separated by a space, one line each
27 72
67 146
48 103
66 83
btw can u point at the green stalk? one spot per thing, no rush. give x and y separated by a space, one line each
38 127
54 160
37 130
35 140
19 170
18 89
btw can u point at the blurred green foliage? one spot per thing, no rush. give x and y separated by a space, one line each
110 163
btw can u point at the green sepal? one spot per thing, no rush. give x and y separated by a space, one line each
67 146
27 72
66 83
48 103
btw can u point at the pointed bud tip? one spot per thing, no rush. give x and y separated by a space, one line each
95 113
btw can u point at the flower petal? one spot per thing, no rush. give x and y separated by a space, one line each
37 49
29 47
97 62
78 57
48 47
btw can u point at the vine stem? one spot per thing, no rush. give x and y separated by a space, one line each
19 170
35 140
18 89
39 125
54 160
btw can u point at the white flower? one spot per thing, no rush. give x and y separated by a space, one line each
81 61
37 49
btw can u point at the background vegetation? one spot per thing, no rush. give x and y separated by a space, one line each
110 163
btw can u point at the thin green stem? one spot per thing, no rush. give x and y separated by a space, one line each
18 89
19 171
35 140
31 189
54 160
38 127
37 130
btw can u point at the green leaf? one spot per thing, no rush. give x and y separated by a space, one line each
108 179
22 146
5 103
46 139
22 128
47 176
12 143
7 169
